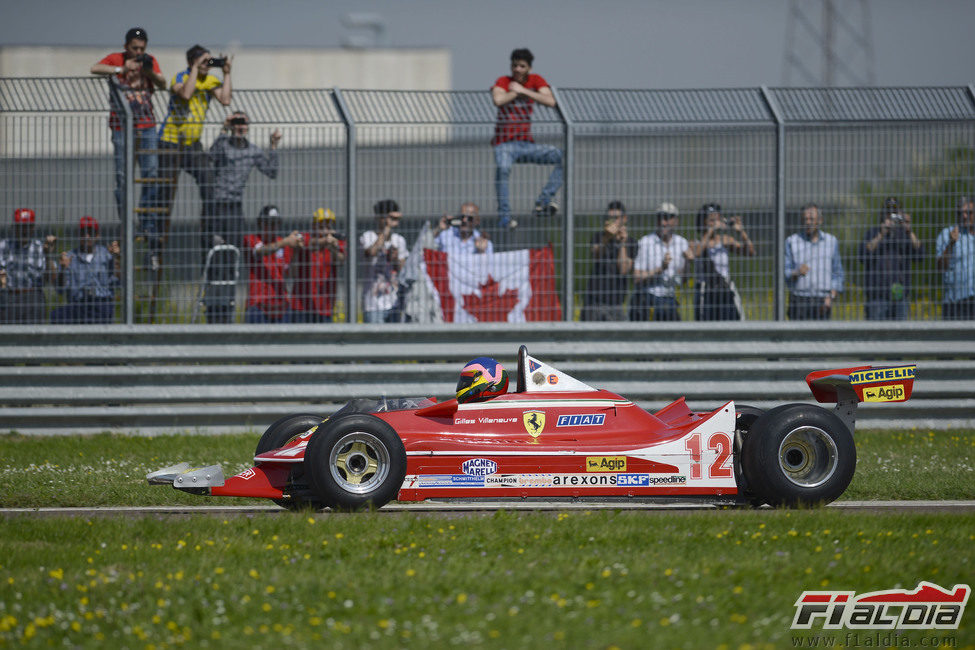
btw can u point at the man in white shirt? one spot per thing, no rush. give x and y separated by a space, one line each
384 252
659 268
460 234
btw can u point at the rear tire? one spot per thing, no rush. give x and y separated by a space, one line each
745 417
798 455
356 462
277 435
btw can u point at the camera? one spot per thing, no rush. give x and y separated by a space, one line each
456 221
146 61
238 121
897 218
218 62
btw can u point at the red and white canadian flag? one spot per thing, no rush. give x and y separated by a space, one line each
512 286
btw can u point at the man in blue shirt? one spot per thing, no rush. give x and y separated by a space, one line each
956 257
460 234
88 276
813 269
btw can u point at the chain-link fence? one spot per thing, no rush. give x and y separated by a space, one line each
640 204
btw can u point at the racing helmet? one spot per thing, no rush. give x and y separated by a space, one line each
481 379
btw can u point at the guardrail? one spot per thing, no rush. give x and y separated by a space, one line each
85 379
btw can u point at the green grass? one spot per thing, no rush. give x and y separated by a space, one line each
507 580
580 579
105 470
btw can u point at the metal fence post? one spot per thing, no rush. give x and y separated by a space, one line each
779 202
128 208
568 238
351 258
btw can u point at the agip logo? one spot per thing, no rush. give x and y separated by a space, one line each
605 463
894 393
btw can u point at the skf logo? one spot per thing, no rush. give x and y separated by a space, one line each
534 422
893 393
928 607
606 463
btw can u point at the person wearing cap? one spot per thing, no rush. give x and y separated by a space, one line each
459 235
715 295
384 252
886 253
268 259
955 247
137 74
813 268
659 267
315 268
88 277
233 156
179 139
26 263
613 252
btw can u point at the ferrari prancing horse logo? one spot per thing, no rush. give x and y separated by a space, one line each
534 422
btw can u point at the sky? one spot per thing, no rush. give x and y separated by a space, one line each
577 43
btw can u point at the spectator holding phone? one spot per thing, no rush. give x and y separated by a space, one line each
613 252
384 252
715 295
316 268
886 252
137 74
268 259
233 156
190 93
956 257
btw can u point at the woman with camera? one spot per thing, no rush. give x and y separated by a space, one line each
715 295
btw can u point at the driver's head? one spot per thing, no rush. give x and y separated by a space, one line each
481 379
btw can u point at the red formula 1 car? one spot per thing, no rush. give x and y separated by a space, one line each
555 437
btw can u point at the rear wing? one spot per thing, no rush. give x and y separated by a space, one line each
863 384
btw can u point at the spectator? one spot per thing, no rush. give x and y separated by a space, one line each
613 252
813 269
886 253
715 295
233 156
384 252
659 267
88 277
137 73
460 234
25 263
316 268
956 257
515 96
189 99
268 259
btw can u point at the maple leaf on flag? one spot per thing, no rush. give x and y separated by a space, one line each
491 306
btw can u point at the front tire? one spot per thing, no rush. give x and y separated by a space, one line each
277 435
356 462
798 455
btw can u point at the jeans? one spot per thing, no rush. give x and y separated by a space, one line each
808 308
98 310
148 165
519 151
256 315
381 316
309 317
963 309
886 309
665 308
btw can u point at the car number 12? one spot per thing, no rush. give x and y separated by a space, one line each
718 442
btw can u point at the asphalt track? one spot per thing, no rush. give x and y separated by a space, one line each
474 507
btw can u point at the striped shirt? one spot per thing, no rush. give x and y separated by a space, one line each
823 259
959 279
